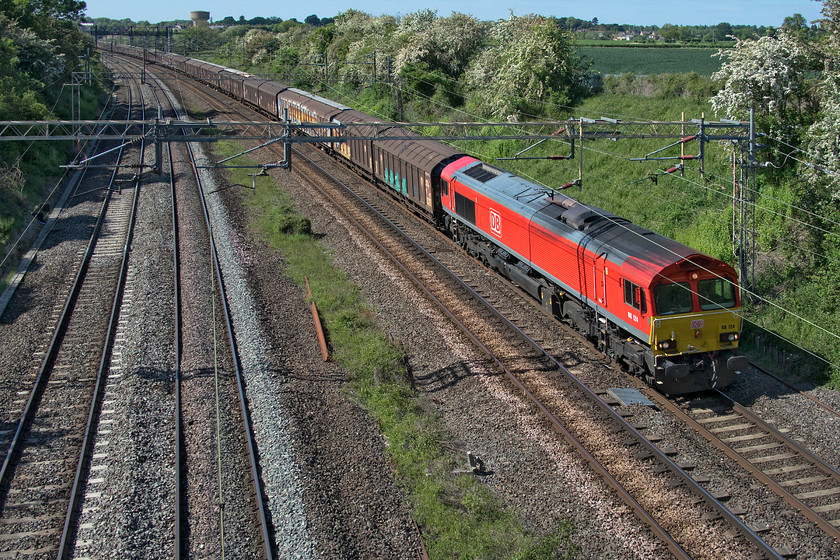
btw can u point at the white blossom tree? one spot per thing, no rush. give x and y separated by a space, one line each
824 135
446 44
530 61
256 43
767 74
360 40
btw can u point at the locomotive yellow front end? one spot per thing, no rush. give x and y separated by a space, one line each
695 331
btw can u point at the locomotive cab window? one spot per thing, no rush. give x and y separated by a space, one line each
444 187
634 296
672 298
716 293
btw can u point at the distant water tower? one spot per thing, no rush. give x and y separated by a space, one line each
200 19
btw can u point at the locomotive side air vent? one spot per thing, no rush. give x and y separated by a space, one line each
483 172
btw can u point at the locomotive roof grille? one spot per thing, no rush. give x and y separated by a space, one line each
483 172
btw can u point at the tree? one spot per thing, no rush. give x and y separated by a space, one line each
321 39
767 74
795 23
198 38
530 62
445 44
19 52
824 135
722 31
312 20
26 12
256 45
671 33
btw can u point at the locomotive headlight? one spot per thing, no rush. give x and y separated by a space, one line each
666 345
698 333
729 337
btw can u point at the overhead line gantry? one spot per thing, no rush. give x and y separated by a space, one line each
741 135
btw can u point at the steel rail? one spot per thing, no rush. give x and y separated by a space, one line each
177 343
623 494
754 470
177 381
176 267
261 507
789 385
52 348
64 545
676 470
249 432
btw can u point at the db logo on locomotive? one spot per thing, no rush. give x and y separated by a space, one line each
496 223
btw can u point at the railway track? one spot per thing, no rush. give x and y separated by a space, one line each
208 391
427 276
60 492
284 532
768 553
800 478
822 404
528 365
265 540
47 457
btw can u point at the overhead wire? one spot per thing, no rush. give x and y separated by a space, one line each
792 207
628 157
753 294
822 167
722 191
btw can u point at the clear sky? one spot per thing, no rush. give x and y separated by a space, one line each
637 12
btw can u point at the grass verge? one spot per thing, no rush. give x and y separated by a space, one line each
459 517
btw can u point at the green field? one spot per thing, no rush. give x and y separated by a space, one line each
651 60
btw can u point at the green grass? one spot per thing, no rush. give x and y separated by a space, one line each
650 60
459 517
610 43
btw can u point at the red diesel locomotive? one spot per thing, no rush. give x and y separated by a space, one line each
670 313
